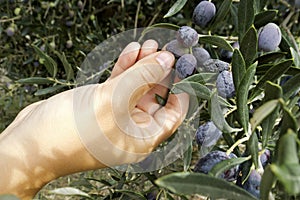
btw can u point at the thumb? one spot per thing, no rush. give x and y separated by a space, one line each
144 75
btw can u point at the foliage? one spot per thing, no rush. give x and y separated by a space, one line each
38 61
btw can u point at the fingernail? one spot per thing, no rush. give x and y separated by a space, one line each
165 59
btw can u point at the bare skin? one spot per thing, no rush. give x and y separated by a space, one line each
42 143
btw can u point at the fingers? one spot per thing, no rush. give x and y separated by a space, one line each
149 47
131 53
126 59
171 115
142 77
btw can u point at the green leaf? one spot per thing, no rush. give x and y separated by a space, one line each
252 147
8 197
266 184
217 116
264 17
296 57
242 97
238 67
187 157
35 80
49 63
291 86
248 45
221 14
288 176
220 167
245 16
196 183
288 121
160 100
192 88
286 41
262 112
216 40
177 6
202 77
272 91
69 191
68 69
270 57
287 149
272 74
48 90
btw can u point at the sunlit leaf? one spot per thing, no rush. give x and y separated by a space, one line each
196 183
262 112
67 191
216 40
220 167
177 6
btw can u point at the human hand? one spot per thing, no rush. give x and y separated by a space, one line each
129 120
93 126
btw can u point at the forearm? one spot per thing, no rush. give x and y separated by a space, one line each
42 145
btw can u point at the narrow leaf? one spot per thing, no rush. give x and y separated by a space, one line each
221 14
272 74
289 177
196 183
216 40
272 91
288 121
270 57
202 77
238 67
296 57
177 6
252 147
48 90
68 69
217 116
287 149
291 86
187 157
35 80
192 88
220 167
262 112
245 16
242 97
69 191
264 17
248 45
49 63
266 184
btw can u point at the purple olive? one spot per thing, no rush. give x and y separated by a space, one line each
185 65
177 49
225 85
204 13
187 36
269 37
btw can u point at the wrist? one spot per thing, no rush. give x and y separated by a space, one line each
41 145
